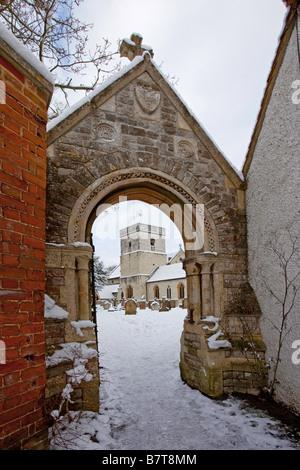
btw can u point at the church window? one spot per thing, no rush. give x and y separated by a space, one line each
152 243
129 244
129 292
181 291
169 292
156 292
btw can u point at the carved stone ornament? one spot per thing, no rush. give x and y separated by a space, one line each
106 133
133 47
148 97
185 149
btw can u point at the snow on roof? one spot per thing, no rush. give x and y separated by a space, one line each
171 256
116 272
10 39
107 291
88 98
165 273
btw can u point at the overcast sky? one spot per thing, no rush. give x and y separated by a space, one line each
220 52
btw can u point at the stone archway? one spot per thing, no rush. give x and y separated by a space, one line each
205 267
113 146
152 187
149 186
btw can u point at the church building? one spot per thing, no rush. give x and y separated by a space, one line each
146 271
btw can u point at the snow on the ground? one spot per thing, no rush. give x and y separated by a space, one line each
146 406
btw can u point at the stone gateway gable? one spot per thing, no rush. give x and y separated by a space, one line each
135 122
134 137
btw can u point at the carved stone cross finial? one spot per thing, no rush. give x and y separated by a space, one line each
133 47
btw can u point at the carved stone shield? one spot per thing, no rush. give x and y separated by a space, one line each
148 97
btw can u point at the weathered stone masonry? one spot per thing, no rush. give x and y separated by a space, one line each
23 121
136 138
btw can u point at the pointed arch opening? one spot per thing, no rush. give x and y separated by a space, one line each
181 290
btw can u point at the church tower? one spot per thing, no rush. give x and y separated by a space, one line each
143 249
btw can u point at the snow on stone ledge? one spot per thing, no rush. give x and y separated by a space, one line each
214 343
211 319
74 352
82 324
77 244
52 310
9 38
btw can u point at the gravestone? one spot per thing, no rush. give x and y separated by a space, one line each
130 307
164 307
154 305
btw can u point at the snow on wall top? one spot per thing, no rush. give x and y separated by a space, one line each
14 43
52 310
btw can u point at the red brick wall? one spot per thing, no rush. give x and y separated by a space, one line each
23 118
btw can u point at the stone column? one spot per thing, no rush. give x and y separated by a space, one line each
83 287
68 292
218 289
193 291
206 290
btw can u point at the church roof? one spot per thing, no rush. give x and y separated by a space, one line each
107 291
168 272
171 256
116 272
140 64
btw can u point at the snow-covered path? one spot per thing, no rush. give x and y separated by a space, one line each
146 406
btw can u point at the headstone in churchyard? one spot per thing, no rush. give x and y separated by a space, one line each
130 307
164 307
184 303
154 305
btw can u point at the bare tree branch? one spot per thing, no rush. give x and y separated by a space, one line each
51 30
285 293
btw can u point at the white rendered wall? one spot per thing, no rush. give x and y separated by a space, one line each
273 204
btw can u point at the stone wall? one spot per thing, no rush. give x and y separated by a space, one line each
273 174
27 90
163 286
68 284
